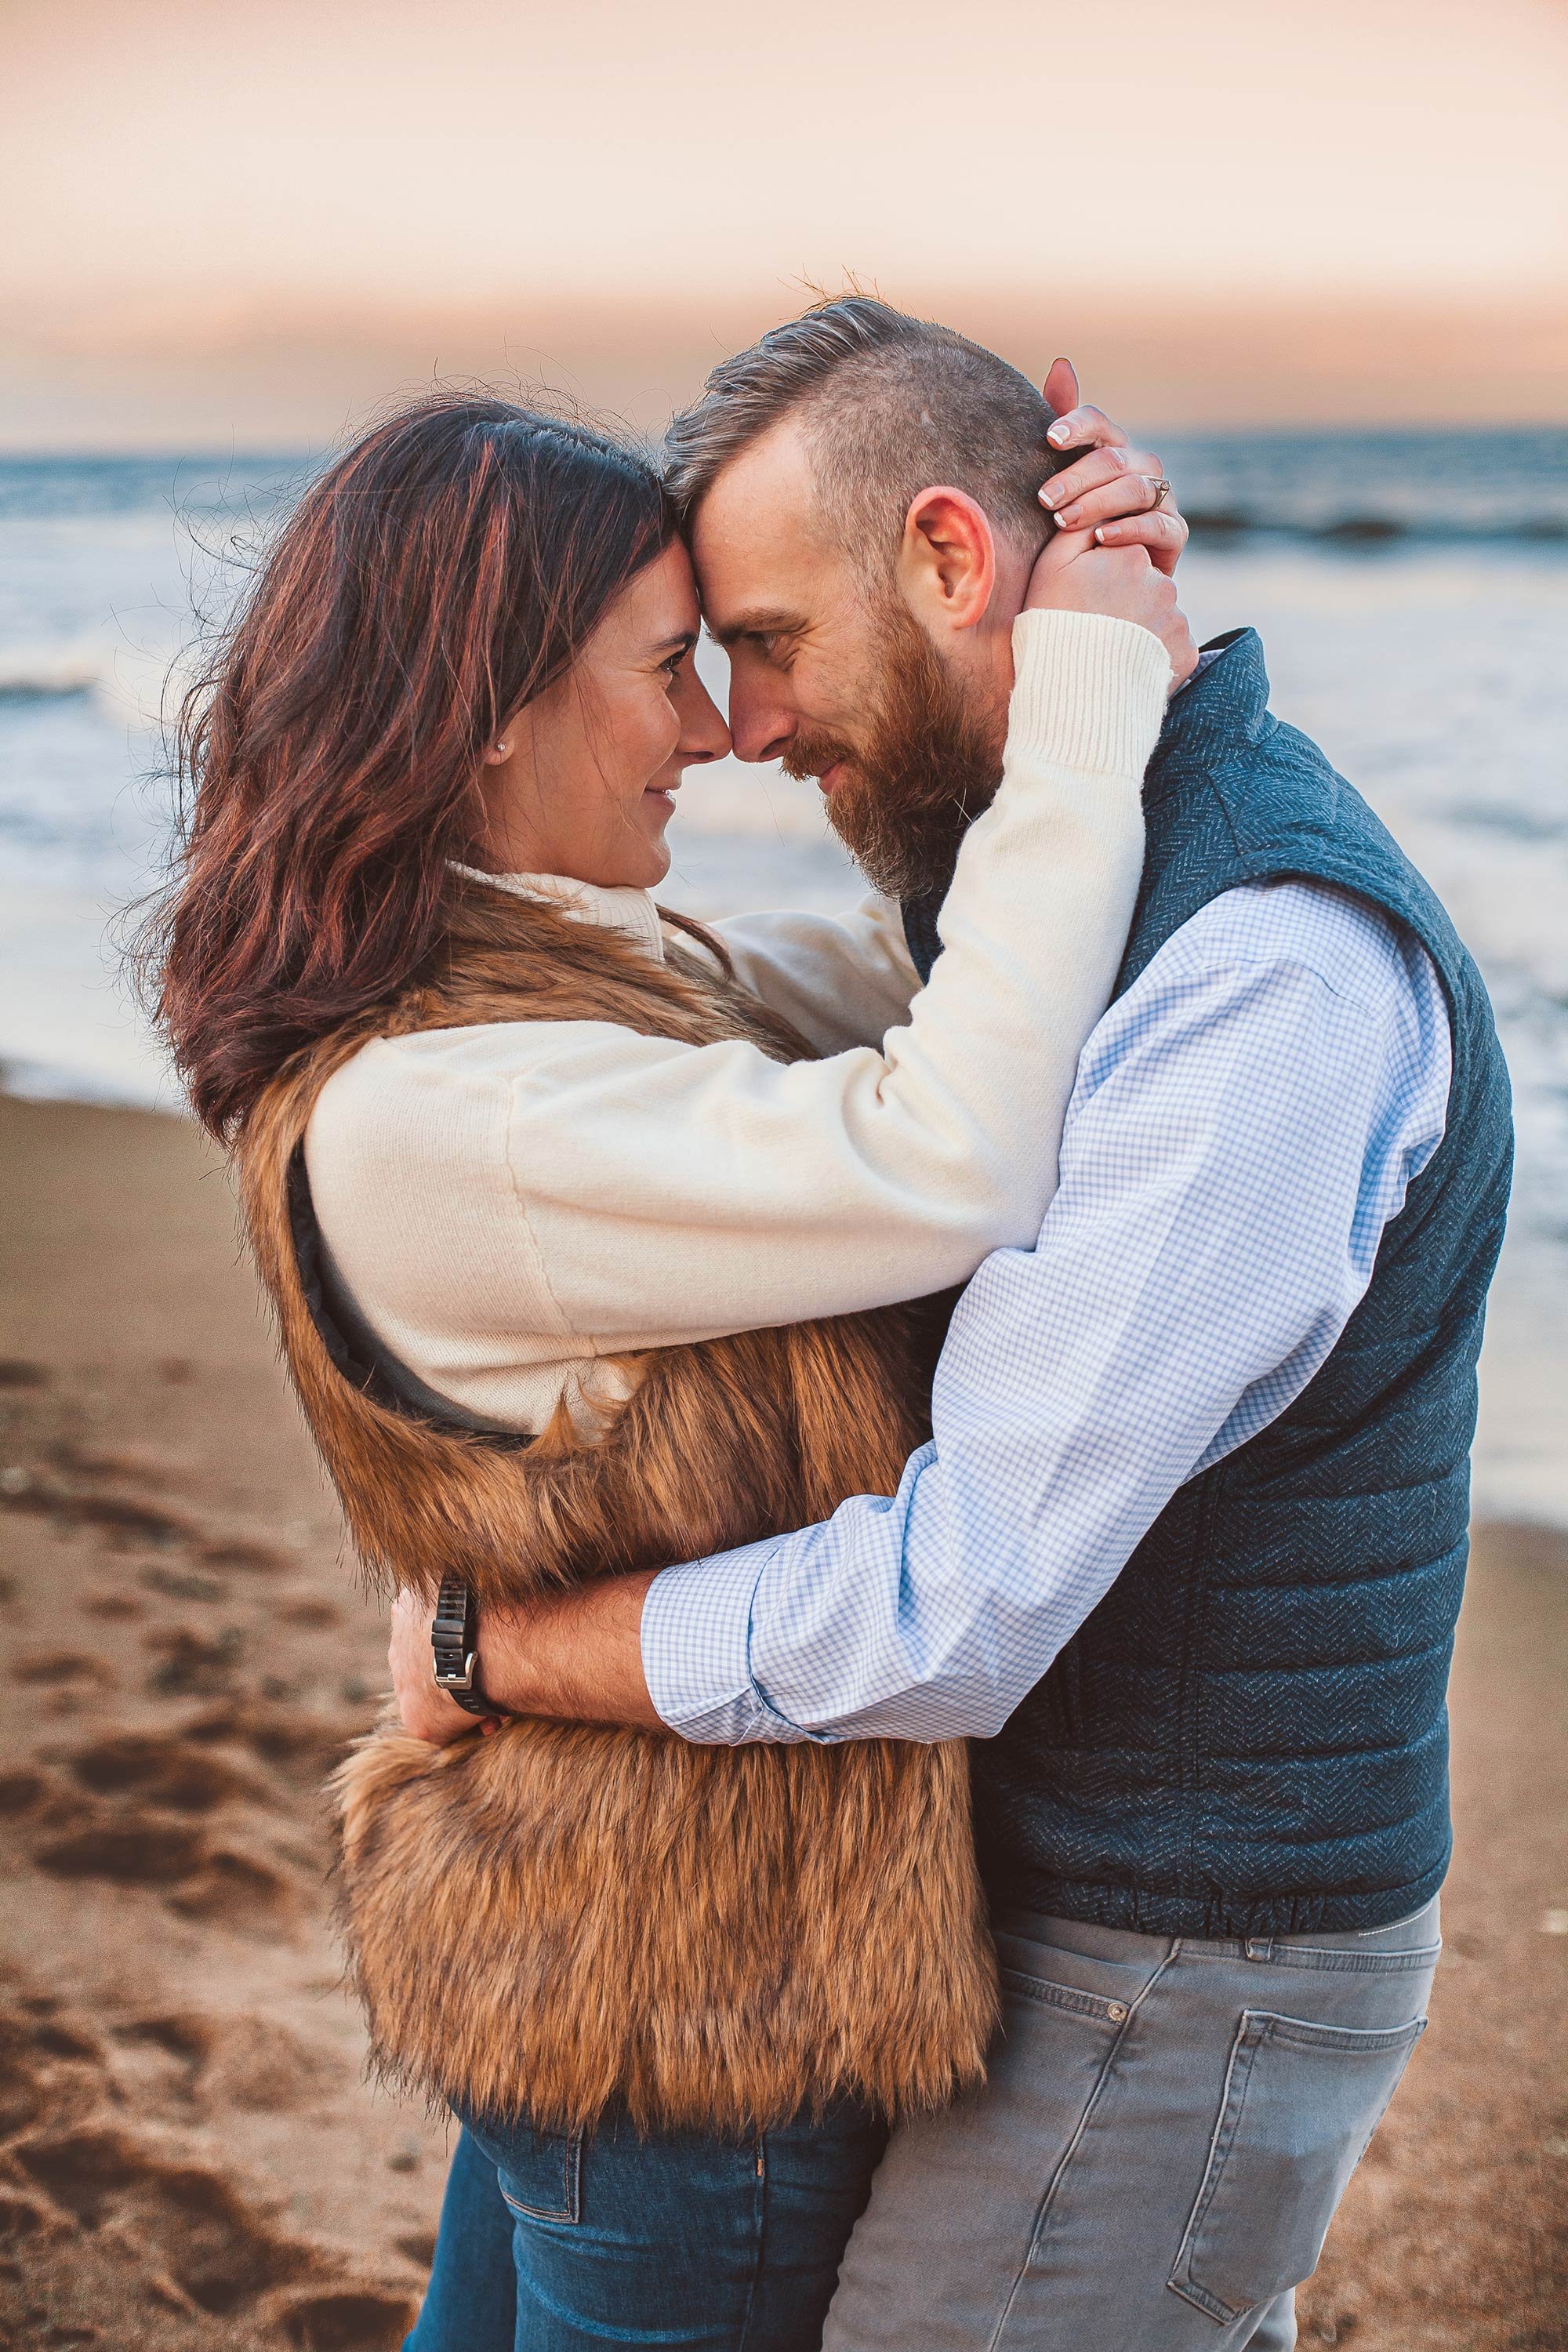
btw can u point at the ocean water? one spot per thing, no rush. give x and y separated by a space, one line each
1412 592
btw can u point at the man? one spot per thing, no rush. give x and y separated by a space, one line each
1185 1554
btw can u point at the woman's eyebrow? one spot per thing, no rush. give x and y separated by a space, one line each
681 643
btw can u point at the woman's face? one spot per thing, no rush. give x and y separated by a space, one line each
580 782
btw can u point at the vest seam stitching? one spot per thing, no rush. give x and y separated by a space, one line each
1193 1642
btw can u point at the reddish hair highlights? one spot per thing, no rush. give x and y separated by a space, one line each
441 574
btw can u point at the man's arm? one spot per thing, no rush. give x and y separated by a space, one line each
1246 1122
575 1656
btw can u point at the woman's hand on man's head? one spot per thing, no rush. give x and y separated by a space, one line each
1118 493
1117 537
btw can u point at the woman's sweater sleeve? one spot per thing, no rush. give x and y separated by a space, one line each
628 1192
841 980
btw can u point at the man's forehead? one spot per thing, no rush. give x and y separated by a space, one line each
757 540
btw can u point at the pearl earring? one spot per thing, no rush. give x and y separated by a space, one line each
503 750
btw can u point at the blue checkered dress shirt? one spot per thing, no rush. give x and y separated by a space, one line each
1246 1120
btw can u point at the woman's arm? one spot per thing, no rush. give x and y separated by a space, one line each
607 1192
846 979
841 980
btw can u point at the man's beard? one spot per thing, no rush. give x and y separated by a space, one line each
930 764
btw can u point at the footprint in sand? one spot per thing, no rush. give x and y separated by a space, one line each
134 1849
198 2063
183 1584
217 2249
179 2233
347 2321
319 1615
158 2062
300 1744
51 2066
233 1552
201 1878
204 2246
167 1770
78 1667
239 1890
99 1490
149 1821
22 1791
121 1515
195 1665
114 1605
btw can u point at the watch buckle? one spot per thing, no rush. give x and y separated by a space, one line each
456 1678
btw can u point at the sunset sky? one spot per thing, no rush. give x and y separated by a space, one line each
250 221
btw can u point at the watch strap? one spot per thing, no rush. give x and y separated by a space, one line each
454 1644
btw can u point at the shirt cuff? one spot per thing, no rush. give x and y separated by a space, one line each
696 1651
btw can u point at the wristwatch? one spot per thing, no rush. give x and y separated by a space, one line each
453 1639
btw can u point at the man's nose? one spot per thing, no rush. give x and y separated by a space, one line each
761 722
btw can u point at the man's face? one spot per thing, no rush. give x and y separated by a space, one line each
831 674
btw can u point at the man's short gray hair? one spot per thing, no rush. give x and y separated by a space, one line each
889 404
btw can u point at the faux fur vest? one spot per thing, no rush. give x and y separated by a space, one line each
561 1917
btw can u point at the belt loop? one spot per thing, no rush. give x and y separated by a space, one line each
1261 1948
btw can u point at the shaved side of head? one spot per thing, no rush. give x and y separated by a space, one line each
888 405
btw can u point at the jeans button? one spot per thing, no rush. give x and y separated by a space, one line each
1116 2011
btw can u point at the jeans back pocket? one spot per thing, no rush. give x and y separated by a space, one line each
1300 2103
539 2173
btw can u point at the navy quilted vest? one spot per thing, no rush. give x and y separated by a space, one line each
1249 1736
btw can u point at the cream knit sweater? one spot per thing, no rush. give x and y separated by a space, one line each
504 1205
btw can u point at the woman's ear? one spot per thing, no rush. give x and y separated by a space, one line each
947 561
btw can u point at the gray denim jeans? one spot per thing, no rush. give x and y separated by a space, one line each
1153 2162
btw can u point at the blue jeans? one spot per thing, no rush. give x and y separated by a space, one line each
559 2243
1166 2129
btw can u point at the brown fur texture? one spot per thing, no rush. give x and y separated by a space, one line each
563 1918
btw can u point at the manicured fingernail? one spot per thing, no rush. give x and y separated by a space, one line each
1061 433
1065 517
1046 501
1099 535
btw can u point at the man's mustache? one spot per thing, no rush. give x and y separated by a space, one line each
810 756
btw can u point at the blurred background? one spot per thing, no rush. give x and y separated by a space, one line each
1318 255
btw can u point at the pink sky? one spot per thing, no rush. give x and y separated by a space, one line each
253 220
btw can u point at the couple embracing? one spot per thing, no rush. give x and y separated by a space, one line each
928 1832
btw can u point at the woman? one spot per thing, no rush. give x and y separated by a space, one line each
587 1257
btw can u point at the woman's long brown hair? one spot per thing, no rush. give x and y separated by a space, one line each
441 573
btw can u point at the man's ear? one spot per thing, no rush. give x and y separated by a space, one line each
947 561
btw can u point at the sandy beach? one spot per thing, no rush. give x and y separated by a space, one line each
189 2157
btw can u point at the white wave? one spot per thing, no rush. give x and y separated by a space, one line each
123 1087
30 673
67 1026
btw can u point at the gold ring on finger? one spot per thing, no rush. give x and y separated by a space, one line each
1160 488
